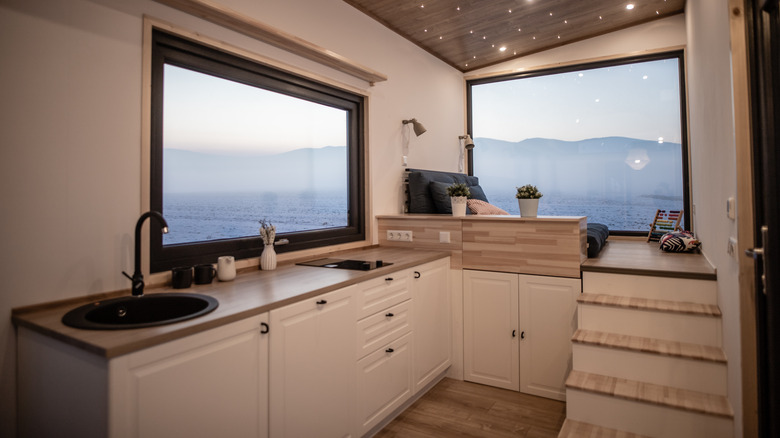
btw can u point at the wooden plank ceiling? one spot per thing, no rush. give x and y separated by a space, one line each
471 34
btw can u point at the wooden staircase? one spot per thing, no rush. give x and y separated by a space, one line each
647 356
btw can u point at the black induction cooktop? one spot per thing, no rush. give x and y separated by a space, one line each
355 265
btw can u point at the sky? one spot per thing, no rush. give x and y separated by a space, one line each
203 113
638 100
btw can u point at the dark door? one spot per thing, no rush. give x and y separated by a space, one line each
764 41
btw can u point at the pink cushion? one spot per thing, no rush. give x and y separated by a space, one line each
481 207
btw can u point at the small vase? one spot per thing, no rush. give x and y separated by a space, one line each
458 205
268 258
528 207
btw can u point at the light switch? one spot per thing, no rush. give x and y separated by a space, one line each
731 208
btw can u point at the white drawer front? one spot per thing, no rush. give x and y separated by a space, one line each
383 327
380 293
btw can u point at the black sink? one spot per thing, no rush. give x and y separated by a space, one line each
137 312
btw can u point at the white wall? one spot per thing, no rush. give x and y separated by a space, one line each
70 118
713 168
660 34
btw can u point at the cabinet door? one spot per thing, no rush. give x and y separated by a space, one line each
205 385
312 367
432 328
490 338
548 307
384 382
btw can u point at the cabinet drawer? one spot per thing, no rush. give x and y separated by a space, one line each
380 293
384 382
382 327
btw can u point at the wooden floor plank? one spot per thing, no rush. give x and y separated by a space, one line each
455 408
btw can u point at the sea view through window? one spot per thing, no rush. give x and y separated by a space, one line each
603 141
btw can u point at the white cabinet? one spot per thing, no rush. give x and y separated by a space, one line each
490 326
384 347
384 381
203 385
432 327
518 330
548 319
312 367
405 343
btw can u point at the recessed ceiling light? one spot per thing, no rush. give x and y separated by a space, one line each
422 6
519 29
502 49
458 8
510 11
644 77
630 6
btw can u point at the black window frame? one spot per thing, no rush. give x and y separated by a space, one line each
171 49
673 54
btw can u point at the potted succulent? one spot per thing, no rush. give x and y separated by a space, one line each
458 192
528 200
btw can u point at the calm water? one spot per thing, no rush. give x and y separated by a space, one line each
634 214
197 217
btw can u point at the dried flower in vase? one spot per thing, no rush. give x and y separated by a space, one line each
267 232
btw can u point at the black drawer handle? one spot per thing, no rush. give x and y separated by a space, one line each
417 274
389 279
389 315
322 302
514 333
522 335
389 350
264 328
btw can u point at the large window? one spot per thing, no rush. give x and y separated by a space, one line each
604 140
235 142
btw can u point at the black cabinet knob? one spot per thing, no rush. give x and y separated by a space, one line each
389 350
389 279
320 302
417 274
264 328
389 315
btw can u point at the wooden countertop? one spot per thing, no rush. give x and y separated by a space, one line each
646 258
251 293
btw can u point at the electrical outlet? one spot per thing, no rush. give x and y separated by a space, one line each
399 235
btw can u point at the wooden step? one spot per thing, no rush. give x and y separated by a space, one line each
641 418
693 401
682 365
658 319
579 429
639 303
658 288
650 345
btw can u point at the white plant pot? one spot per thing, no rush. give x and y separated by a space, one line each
528 207
458 205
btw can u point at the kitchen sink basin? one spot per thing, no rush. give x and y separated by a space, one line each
137 312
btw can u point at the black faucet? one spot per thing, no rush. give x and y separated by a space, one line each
138 277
